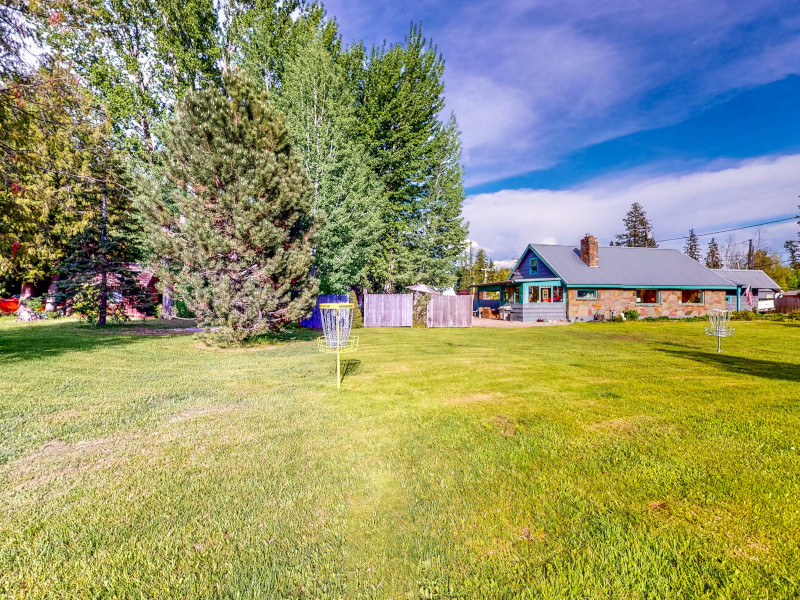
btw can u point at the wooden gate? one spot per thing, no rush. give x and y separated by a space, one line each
450 311
388 310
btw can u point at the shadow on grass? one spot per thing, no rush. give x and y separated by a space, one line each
33 341
350 366
755 367
290 334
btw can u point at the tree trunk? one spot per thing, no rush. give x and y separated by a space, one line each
103 309
24 313
166 304
52 290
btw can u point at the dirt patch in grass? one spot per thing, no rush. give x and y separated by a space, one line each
752 550
208 348
155 331
656 505
476 398
58 461
504 425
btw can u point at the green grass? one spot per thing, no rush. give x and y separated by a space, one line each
595 461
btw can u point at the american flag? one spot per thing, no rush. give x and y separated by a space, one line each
748 293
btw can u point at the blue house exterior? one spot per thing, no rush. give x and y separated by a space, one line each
552 282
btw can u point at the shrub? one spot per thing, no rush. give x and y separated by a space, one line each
631 314
617 319
358 319
421 310
743 315
182 311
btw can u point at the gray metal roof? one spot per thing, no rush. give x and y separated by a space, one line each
756 279
618 265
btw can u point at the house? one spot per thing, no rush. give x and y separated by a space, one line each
762 288
588 282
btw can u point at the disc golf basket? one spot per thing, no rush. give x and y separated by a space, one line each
719 325
337 321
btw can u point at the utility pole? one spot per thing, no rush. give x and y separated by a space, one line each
485 273
751 258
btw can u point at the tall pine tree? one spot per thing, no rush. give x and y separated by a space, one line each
692 247
416 157
713 259
348 198
638 230
238 227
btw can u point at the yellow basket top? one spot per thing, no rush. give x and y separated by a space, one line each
333 305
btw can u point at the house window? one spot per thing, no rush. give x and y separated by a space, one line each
510 294
692 296
647 297
587 294
545 294
729 298
558 294
534 266
533 294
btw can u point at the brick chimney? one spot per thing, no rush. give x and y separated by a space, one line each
589 252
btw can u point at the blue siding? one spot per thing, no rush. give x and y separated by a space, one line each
315 320
524 270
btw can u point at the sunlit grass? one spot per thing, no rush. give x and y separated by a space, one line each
597 460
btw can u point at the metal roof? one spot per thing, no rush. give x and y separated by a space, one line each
623 266
756 279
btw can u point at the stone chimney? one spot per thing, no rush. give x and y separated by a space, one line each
589 251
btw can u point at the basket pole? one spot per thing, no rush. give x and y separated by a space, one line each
338 354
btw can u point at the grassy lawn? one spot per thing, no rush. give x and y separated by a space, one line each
596 460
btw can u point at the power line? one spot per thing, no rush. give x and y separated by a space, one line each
683 237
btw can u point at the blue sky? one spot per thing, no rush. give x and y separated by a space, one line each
571 110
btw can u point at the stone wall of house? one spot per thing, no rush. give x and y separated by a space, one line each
621 300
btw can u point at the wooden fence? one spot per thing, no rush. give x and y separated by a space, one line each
388 310
787 304
450 311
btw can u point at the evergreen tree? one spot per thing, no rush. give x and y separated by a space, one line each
416 157
358 318
713 260
348 197
793 250
692 247
238 227
638 230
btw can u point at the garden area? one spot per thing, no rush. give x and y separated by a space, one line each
611 460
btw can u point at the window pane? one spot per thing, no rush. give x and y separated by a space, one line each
533 294
692 296
534 266
587 294
647 296
558 294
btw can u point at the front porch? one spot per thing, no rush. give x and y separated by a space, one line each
527 300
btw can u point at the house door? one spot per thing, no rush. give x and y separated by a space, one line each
545 294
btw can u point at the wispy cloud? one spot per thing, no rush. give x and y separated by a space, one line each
504 222
531 81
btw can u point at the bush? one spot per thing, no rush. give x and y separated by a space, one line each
743 315
617 319
182 311
421 310
631 314
358 319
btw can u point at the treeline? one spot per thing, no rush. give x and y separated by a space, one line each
236 146
730 254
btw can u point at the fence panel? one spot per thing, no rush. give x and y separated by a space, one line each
315 320
787 304
388 310
450 311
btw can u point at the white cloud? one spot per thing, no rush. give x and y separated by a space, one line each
751 191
